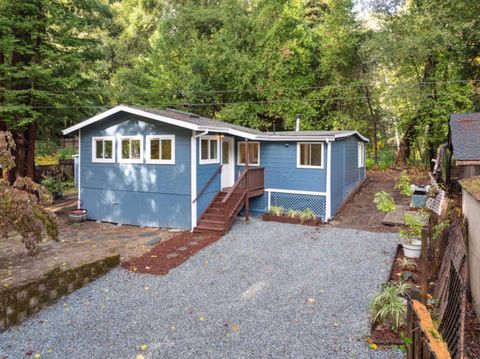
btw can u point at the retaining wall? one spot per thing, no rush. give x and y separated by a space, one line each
19 302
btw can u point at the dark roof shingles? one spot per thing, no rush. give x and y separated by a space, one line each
465 132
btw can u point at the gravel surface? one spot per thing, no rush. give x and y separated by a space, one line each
265 290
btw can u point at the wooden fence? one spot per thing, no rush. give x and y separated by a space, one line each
65 170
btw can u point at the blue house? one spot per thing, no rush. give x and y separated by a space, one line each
168 168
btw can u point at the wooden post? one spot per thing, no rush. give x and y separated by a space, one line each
423 267
247 201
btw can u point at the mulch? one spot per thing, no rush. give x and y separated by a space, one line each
170 253
472 333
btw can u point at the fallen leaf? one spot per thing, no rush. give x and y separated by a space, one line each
173 327
139 356
143 347
311 301
37 355
147 267
235 327
373 346
153 256
201 318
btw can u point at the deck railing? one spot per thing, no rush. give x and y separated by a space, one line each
251 180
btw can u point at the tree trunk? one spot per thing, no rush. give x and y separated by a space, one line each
374 117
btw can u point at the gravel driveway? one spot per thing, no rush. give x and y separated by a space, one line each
265 290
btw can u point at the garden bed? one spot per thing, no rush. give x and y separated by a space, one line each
292 220
382 335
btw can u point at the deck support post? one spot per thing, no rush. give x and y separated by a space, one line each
247 201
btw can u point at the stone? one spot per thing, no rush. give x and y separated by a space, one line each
33 301
193 243
153 241
183 248
147 234
172 255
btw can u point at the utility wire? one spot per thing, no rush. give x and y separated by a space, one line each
183 92
187 104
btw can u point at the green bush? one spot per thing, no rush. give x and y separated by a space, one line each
307 215
384 202
389 307
276 210
369 163
292 213
66 153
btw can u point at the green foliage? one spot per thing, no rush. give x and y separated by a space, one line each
292 213
389 307
384 202
66 153
414 228
404 184
22 204
407 263
307 215
276 211
439 228
369 163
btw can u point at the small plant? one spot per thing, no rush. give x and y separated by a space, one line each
389 307
407 263
276 210
292 213
307 215
414 228
66 153
404 184
384 202
439 229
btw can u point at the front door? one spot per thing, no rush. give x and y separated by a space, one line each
228 169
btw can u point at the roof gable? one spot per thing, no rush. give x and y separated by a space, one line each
465 136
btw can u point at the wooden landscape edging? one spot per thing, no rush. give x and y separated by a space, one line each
426 340
285 219
21 301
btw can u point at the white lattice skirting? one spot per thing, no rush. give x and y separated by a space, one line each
289 200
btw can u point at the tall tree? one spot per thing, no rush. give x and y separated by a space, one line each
47 50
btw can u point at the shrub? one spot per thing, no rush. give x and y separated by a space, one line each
389 307
292 213
307 215
276 210
384 202
66 153
369 163
22 204
404 184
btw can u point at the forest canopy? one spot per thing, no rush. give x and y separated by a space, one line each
394 71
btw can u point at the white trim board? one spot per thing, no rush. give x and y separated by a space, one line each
310 193
193 179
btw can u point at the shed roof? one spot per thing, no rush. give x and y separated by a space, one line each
472 186
465 136
199 123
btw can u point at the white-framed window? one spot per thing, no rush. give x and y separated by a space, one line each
361 154
310 155
130 149
253 153
103 149
209 148
161 149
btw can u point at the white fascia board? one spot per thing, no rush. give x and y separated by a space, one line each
353 133
295 138
133 111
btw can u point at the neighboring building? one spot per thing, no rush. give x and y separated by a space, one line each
167 168
471 210
464 146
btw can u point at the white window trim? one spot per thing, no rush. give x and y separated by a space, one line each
299 165
209 161
119 149
94 149
160 161
361 154
238 154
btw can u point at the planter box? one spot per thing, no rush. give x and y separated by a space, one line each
285 219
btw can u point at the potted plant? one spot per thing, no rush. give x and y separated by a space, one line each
411 237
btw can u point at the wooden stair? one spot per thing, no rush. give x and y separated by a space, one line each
215 220
222 211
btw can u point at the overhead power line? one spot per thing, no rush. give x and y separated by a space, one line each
183 92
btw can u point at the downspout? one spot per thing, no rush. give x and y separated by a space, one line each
328 209
193 177
79 199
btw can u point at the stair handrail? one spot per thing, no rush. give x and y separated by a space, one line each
235 186
210 180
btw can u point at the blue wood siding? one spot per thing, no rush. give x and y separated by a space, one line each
204 173
346 175
280 162
139 194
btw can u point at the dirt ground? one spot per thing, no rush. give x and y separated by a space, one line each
360 211
79 243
